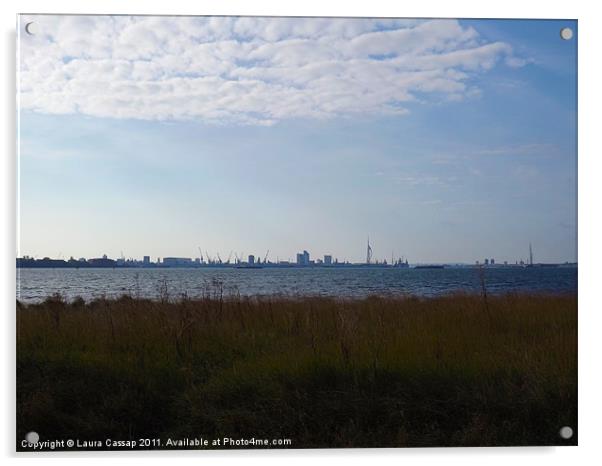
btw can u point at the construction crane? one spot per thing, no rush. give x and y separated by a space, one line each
265 259
229 257
201 253
219 259
209 259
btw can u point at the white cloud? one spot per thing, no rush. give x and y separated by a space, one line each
248 70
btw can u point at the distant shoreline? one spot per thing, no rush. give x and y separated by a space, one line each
66 265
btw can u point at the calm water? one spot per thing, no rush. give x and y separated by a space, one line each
35 284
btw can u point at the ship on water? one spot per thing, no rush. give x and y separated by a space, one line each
401 264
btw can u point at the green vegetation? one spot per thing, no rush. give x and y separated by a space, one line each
377 372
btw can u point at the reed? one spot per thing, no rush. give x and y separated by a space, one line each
374 372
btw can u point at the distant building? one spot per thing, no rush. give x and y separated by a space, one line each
303 258
486 261
327 259
102 262
146 260
251 259
177 261
492 261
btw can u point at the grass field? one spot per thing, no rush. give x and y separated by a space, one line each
377 372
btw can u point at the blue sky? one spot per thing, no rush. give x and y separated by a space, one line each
456 145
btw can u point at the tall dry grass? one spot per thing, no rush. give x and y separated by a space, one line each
323 372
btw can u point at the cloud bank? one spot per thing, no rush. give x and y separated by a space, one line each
231 70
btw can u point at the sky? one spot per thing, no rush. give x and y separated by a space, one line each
440 140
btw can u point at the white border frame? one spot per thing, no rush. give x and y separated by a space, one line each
590 153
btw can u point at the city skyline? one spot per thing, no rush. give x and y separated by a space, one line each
447 141
304 257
